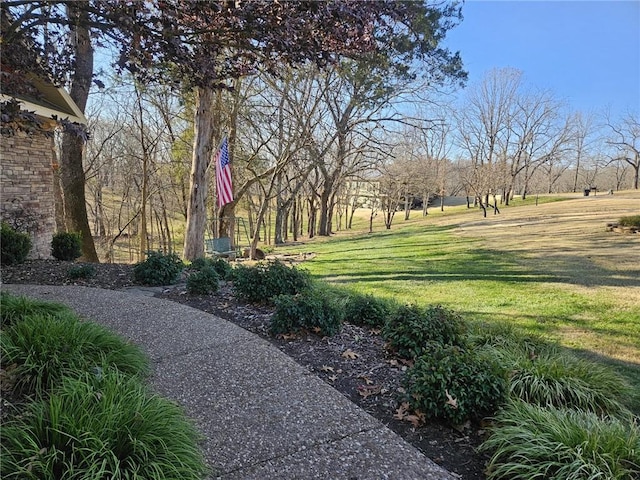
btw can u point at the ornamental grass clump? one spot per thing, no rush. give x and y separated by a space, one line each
15 308
44 348
533 442
410 328
564 381
454 384
630 221
100 426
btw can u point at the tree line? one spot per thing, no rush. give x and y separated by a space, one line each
328 107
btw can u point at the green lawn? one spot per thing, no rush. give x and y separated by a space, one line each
416 262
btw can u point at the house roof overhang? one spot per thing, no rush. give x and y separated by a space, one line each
53 101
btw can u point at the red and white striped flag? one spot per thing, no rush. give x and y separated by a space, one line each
223 175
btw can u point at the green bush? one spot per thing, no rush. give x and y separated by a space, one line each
158 269
44 348
630 221
203 282
14 309
533 442
410 328
561 380
14 246
66 245
81 271
222 268
313 310
366 310
98 427
266 280
454 384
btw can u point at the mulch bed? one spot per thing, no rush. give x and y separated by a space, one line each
354 362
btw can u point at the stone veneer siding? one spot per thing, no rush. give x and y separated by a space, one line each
26 188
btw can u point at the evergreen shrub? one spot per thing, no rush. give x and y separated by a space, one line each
266 280
221 267
158 269
66 246
81 271
366 310
313 310
454 384
410 328
14 246
203 281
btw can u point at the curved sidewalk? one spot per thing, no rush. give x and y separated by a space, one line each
262 415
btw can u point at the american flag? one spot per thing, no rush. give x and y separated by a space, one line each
223 175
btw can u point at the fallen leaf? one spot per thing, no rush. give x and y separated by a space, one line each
366 379
402 411
350 354
326 368
450 400
287 336
375 331
366 391
333 378
415 420
316 330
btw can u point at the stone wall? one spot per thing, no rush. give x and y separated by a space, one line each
26 188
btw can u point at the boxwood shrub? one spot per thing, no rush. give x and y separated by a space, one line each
14 246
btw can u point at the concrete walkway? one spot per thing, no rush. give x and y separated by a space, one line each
262 415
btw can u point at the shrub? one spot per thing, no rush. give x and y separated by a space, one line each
366 310
454 384
45 348
14 309
14 246
222 268
106 426
410 328
630 221
264 281
313 311
203 282
66 245
81 271
530 441
158 269
562 380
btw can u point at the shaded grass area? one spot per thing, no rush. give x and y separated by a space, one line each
426 264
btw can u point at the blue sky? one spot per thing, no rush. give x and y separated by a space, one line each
586 52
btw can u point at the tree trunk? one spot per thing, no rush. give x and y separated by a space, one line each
58 201
71 167
202 150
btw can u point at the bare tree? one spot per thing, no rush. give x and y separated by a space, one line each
624 138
